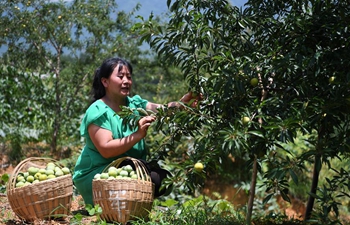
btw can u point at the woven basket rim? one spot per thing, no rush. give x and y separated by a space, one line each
53 180
31 160
141 170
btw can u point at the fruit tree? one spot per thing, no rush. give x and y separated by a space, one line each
292 48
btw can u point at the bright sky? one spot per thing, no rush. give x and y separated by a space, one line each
158 6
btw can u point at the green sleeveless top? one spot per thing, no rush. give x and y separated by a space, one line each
90 161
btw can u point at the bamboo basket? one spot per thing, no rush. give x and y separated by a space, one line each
43 200
124 199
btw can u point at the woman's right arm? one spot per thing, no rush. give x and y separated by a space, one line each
109 147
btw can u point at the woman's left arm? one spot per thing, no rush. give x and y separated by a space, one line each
186 99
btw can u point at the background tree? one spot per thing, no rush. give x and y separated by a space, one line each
63 43
305 43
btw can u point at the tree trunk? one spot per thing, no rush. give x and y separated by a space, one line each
252 191
57 119
315 176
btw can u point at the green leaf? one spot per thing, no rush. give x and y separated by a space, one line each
267 198
294 176
169 202
285 196
5 177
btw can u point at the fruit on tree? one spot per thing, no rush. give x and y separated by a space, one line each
245 120
254 82
331 80
198 167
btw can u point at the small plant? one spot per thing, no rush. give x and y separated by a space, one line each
4 179
95 210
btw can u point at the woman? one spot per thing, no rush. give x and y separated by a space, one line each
105 135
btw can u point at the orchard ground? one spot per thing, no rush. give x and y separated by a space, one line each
238 197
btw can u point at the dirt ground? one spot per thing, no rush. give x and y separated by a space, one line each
8 217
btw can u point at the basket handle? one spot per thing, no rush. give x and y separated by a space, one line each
31 160
140 168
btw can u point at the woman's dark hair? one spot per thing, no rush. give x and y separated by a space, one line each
105 71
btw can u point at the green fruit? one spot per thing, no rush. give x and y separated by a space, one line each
51 176
119 177
331 80
42 177
198 167
104 176
97 176
25 174
26 183
113 173
42 171
37 175
128 168
20 178
20 184
49 172
35 181
30 178
245 120
32 170
50 166
59 173
254 81
134 176
112 168
65 170
124 173
132 173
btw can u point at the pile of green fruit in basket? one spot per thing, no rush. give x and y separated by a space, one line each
125 172
34 174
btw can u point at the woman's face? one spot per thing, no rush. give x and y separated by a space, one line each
119 83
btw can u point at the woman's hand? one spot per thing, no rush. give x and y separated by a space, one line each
143 125
191 99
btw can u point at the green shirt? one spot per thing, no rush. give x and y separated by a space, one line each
90 161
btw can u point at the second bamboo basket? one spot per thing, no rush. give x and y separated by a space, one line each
123 200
